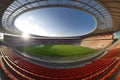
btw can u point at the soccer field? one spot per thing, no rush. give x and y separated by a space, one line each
59 50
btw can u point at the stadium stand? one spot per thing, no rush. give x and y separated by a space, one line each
20 41
101 68
107 18
115 45
7 73
97 41
24 68
96 44
98 37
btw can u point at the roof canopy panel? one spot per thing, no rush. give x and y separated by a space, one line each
106 12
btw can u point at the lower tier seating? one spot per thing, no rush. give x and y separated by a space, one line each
23 69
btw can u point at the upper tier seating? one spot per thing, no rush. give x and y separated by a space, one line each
97 37
96 44
97 41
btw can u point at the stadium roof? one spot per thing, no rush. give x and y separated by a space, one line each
106 12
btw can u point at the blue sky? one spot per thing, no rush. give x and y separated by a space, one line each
55 22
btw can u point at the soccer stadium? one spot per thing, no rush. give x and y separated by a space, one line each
59 39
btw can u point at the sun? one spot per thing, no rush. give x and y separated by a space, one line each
25 35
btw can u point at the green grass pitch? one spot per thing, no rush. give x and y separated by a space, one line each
59 50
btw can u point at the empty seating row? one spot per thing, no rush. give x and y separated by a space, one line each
12 70
112 53
111 71
7 73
